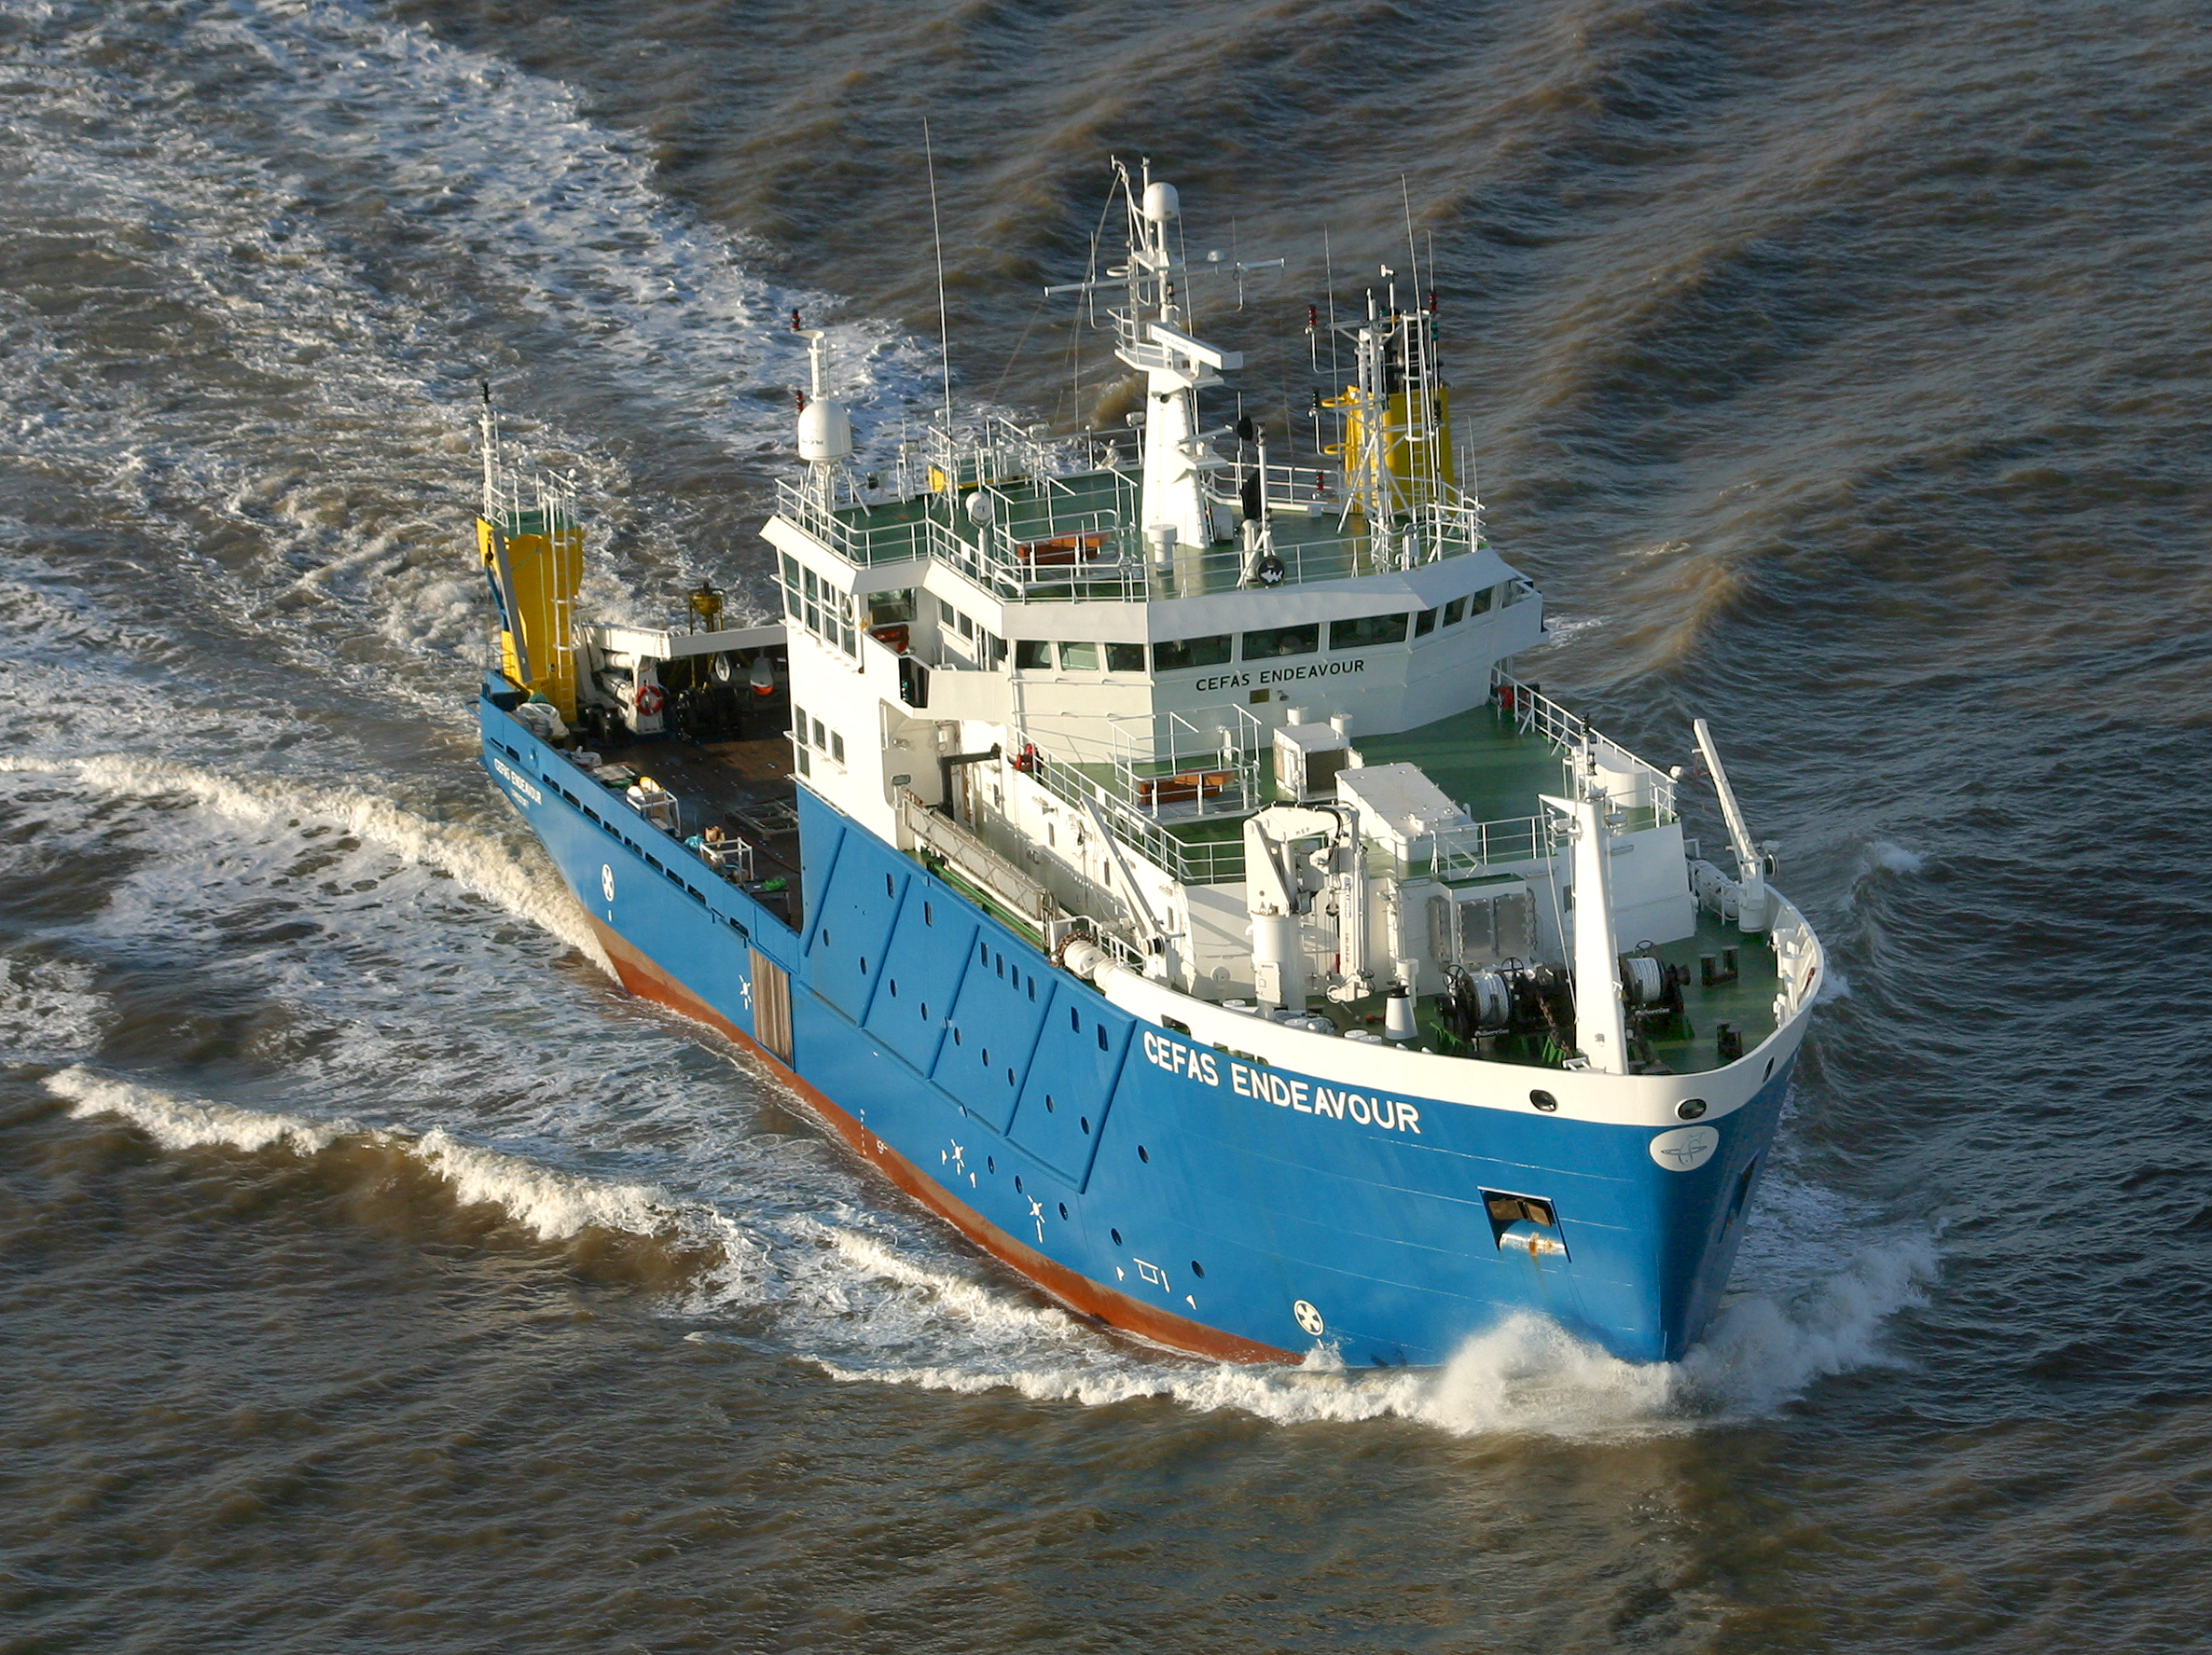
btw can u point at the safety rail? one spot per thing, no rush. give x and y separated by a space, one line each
1536 714
1466 852
1203 862
1097 554
1168 768
517 501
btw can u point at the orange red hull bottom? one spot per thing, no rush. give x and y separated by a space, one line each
647 981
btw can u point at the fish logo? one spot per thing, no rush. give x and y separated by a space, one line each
1685 1149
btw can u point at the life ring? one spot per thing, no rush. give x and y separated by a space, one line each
649 700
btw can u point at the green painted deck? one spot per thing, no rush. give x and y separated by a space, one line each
1747 1003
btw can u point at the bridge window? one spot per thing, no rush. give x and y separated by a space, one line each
1125 657
1033 654
1455 611
1366 631
1424 623
1079 657
1191 651
1282 641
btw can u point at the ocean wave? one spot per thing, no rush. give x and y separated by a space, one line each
181 1124
477 860
49 1011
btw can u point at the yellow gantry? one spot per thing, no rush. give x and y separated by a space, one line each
534 572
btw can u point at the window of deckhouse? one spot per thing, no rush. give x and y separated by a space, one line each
1367 631
1282 641
1191 651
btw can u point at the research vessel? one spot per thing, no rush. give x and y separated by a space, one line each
1141 847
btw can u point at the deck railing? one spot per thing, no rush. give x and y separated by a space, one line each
1536 714
1018 552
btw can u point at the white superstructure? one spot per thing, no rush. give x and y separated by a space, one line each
1150 691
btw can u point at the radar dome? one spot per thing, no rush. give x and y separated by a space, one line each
826 431
1161 202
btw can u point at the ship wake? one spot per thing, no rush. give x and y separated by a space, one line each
1809 1309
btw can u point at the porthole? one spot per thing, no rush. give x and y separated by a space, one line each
1690 1108
1010 1077
1017 1183
1769 1070
1143 1153
864 965
826 942
1048 1103
991 1162
1116 1235
1063 1210
985 948
1544 1101
1085 1122
889 889
893 986
926 919
986 1057
1197 1269
925 1010
1101 1037
956 1037
1074 1020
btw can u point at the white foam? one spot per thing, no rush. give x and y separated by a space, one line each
178 1123
1894 858
554 1205
477 860
49 1011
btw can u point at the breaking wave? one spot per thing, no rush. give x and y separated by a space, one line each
1894 858
1525 1376
177 1123
477 860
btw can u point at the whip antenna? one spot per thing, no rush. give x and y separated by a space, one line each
944 342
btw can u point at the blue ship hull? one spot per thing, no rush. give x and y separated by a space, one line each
1156 1185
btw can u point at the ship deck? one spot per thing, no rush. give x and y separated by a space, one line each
1744 1004
1069 538
744 788
1490 768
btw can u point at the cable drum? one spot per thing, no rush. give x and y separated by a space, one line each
1643 979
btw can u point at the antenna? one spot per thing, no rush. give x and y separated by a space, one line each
1413 251
490 452
943 336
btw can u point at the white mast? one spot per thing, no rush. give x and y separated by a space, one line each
1600 1023
1151 329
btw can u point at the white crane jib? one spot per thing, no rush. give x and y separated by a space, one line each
1278 891
1750 862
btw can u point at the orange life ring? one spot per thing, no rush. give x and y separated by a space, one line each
649 700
